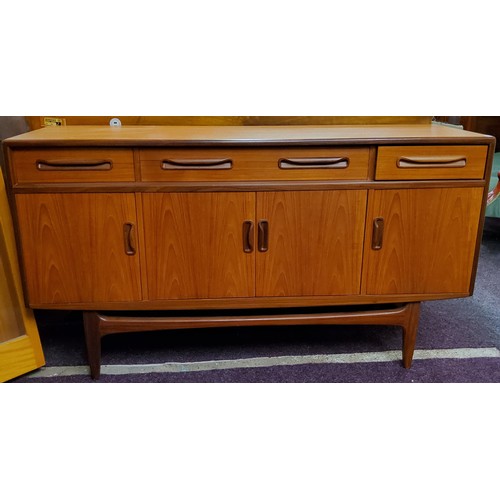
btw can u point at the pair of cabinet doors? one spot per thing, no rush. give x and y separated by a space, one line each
114 247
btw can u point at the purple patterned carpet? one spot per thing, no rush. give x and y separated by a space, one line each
466 325
435 371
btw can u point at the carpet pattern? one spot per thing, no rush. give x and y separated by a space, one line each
478 370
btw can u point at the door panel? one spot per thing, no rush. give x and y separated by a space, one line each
315 242
428 243
194 245
75 250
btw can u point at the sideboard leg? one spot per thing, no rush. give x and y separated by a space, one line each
98 325
410 332
93 341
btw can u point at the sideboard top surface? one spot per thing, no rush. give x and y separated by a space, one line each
83 135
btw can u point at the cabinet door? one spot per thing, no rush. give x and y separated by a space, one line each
79 247
194 245
314 242
427 242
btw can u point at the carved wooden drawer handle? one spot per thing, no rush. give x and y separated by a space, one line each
197 164
288 163
129 238
431 161
72 164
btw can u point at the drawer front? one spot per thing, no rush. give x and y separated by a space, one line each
72 165
430 162
255 164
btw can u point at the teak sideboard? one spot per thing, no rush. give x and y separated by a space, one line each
266 225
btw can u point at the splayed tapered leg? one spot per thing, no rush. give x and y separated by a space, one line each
410 328
93 341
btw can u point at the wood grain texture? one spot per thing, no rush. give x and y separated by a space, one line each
388 157
315 243
428 243
170 136
73 247
24 164
253 164
194 245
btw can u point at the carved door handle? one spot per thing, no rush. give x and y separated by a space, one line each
248 236
378 233
263 244
129 238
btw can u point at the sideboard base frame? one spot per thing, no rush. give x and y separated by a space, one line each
98 325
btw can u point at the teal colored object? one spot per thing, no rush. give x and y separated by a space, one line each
494 209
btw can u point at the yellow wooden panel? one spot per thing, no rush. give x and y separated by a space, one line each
11 325
20 348
18 356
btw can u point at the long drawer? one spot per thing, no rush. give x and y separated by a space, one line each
72 165
430 162
255 164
